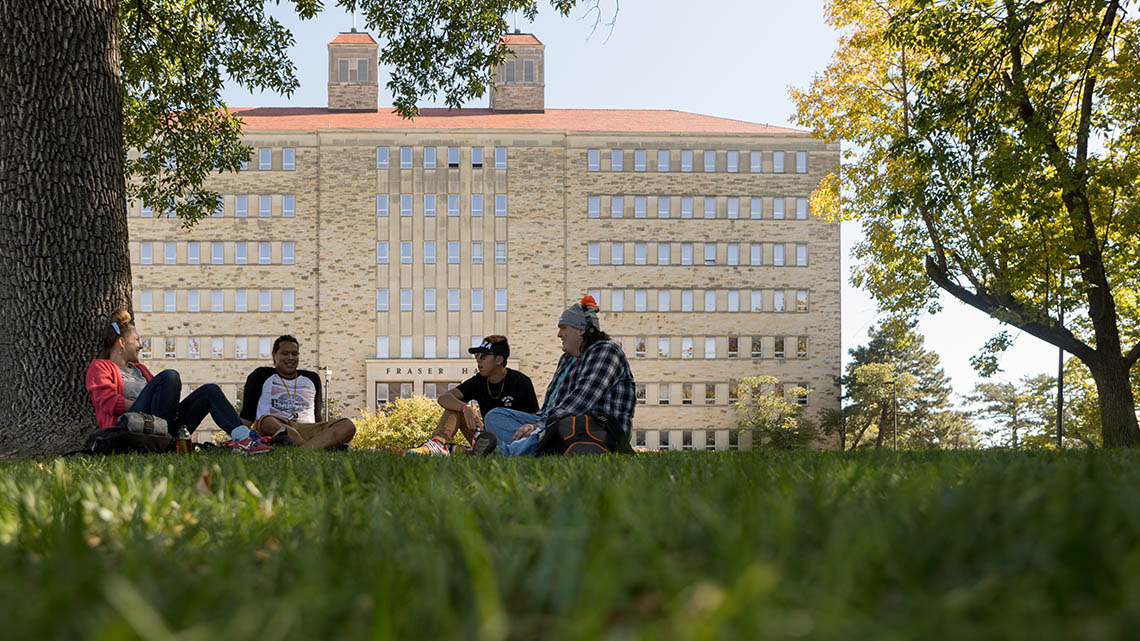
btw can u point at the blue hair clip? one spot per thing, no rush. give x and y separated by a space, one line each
116 326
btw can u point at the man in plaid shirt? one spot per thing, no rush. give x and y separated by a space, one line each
592 377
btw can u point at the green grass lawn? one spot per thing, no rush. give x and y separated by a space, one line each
362 545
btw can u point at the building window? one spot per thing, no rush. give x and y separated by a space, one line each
710 161
710 300
381 352
453 300
476 253
686 300
406 253
757 300
170 254
778 254
500 157
429 300
241 206
265 159
145 349
239 253
639 207
287 253
263 346
778 351
662 253
710 207
663 160
593 253
476 301
453 157
687 348
263 300
405 351
500 300
733 300
756 160
429 157
381 157
593 162
528 71
710 394
239 301
593 207
778 162
509 72
500 204
429 205
639 391
710 347
662 347
405 157
686 253
733 206
778 300
219 211
778 209
453 347
452 252
287 209
662 207
733 162
756 253
710 254
757 208
801 162
639 304
639 347
477 157
639 160
265 206
801 208
147 210
287 159
757 351
217 253
617 253
193 349
801 347
616 157
382 300
733 254
663 394
686 160
801 254
146 298
617 300
287 300
663 300
146 254
639 253
686 393
405 205
429 252
686 208
801 300
263 256
500 253
453 204
168 348
216 300
617 207
477 205
405 300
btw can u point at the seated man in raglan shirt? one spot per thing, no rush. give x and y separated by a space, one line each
282 402
494 385
592 377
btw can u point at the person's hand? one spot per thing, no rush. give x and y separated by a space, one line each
473 418
525 431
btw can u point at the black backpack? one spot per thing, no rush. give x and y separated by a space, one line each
585 434
120 440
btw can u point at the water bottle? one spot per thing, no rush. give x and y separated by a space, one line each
182 443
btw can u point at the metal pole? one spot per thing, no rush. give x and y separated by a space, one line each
1061 372
326 394
895 412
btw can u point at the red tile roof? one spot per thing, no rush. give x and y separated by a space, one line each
520 39
353 38
570 120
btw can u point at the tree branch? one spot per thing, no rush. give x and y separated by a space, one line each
1090 82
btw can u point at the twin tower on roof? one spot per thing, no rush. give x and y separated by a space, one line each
354 65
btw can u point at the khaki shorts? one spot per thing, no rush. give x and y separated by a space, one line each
306 430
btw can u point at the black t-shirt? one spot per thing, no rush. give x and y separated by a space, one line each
514 392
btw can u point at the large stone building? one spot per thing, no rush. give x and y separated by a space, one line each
389 246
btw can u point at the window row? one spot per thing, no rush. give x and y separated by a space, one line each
237 207
687 160
430 157
220 253
705 207
430 203
714 347
637 253
431 299
216 347
430 252
427 347
701 300
718 393
217 300
267 159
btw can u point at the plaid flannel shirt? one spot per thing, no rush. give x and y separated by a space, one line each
599 382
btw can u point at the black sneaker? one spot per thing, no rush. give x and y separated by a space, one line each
485 443
282 438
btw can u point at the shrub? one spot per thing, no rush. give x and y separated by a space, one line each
402 423
773 413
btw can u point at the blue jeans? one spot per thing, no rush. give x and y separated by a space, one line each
503 423
160 398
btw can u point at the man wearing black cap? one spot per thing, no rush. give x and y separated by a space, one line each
495 385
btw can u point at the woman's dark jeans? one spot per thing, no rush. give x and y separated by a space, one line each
160 398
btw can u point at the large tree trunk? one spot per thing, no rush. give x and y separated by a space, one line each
64 264
1117 405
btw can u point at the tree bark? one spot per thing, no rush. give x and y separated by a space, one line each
64 263
1117 405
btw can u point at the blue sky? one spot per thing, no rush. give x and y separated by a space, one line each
729 58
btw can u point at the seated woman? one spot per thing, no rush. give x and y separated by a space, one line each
118 383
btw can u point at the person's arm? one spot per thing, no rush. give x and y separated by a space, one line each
318 398
250 396
452 400
105 393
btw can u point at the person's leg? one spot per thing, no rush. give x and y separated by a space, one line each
503 423
450 423
208 399
269 425
160 396
329 435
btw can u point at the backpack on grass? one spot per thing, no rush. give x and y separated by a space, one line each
121 440
584 434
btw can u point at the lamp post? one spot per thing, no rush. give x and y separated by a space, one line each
328 375
894 413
